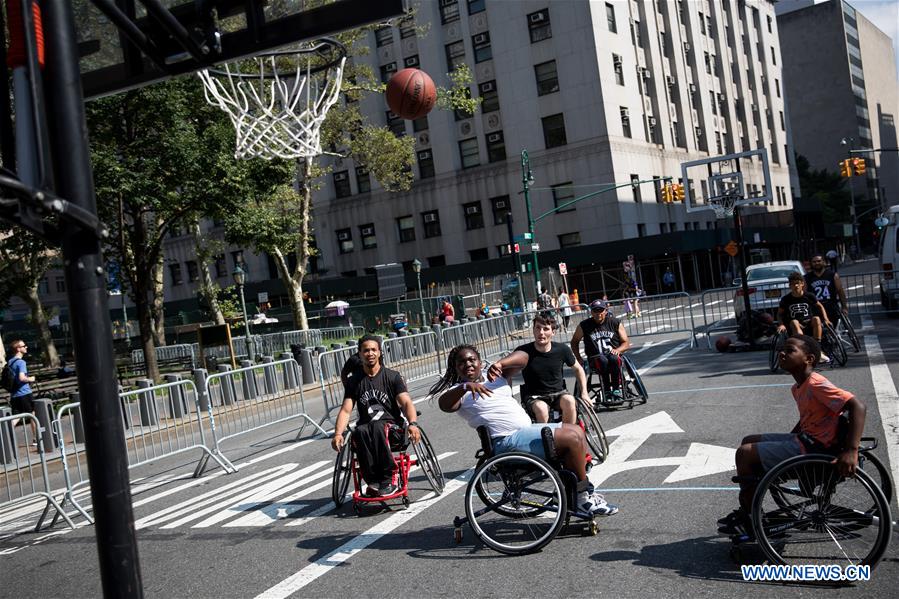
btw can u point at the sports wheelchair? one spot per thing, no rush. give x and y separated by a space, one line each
346 468
516 502
804 512
633 392
831 345
587 420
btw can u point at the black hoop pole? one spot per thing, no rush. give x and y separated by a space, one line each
89 310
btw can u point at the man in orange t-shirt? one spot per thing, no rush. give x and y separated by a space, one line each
820 404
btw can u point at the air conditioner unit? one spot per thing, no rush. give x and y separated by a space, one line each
687 46
487 87
411 61
753 108
616 61
698 131
538 17
472 210
481 38
652 121
692 88
430 218
361 170
368 230
495 137
625 113
767 112
390 68
669 80
424 155
340 176
647 74
720 97
343 236
500 204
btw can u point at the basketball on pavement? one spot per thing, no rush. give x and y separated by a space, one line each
411 94
722 344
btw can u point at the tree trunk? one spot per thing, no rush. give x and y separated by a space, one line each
157 281
39 320
294 291
208 288
145 321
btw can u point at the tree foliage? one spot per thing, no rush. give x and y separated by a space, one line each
827 187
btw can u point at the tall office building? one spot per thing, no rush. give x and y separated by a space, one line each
597 93
840 78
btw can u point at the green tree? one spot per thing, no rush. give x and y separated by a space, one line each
24 259
827 187
162 156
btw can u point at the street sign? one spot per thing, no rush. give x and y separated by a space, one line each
732 248
563 268
535 247
523 237
262 297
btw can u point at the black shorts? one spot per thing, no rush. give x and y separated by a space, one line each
23 404
550 399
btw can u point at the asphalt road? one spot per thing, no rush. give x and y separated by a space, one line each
271 529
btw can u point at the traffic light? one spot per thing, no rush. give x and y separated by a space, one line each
678 192
860 166
516 248
667 194
845 168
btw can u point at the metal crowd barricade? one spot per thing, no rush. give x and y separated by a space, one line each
664 313
717 312
330 363
864 291
335 333
24 477
415 356
253 397
486 335
183 351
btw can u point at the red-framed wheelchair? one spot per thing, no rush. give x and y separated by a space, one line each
346 468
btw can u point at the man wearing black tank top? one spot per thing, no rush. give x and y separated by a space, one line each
827 288
604 341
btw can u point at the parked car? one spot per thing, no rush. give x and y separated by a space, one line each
768 282
889 261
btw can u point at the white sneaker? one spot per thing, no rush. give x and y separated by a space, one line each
596 504
825 359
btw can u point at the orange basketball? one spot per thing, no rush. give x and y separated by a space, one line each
411 94
722 344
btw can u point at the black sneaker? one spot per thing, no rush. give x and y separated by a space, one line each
387 489
735 516
738 524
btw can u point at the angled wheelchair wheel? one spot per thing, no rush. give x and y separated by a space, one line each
845 325
429 463
343 474
516 503
879 473
635 391
777 343
804 512
832 346
596 436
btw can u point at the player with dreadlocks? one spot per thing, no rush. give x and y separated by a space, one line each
464 388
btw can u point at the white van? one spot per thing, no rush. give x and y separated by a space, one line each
889 260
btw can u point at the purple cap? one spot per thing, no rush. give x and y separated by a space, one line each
599 304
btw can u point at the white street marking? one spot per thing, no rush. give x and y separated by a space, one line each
662 358
887 402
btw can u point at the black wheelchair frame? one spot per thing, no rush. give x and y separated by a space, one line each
831 345
586 419
632 387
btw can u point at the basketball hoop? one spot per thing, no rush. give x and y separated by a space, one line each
278 112
723 205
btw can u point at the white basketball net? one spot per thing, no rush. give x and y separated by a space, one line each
275 114
723 205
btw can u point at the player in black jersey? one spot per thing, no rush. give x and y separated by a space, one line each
827 288
604 340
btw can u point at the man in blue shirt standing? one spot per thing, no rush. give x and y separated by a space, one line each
22 401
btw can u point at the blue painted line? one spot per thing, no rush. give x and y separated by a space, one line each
701 389
634 490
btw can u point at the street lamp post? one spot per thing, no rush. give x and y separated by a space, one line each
847 142
527 179
240 277
416 267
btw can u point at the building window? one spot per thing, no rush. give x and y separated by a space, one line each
567 240
367 233
60 284
476 6
420 124
501 209
478 255
348 274
407 28
455 55
769 24
496 147
547 78
625 121
221 269
538 25
777 87
481 45
175 273
387 71
383 36
635 186
396 124
503 250
773 56
468 150
43 286
405 225
425 164
618 67
411 61
610 17
237 259
702 23
673 227
641 230
345 241
708 63
342 184
663 228
562 194
489 97
474 218
461 115
783 125
635 34
363 179
431 221
554 131
449 11
193 273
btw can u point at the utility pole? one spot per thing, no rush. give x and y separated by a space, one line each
516 258
527 179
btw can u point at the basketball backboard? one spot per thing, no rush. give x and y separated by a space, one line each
743 176
125 44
